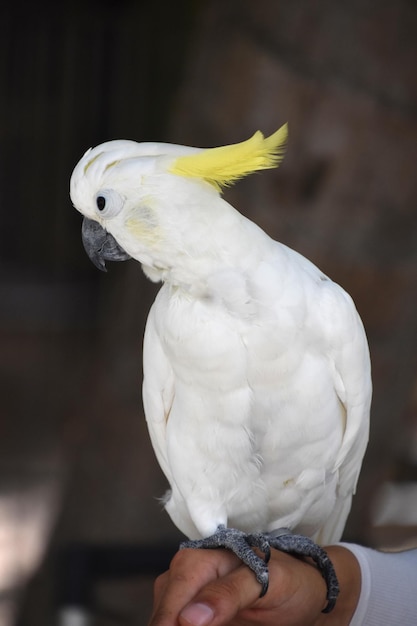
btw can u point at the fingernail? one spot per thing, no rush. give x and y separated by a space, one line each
198 614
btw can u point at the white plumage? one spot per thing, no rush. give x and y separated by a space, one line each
256 366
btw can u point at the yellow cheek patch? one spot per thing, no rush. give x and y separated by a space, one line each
143 230
225 165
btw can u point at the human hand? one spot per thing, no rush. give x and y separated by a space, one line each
213 588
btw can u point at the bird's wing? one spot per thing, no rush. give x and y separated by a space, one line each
158 390
352 369
349 357
340 327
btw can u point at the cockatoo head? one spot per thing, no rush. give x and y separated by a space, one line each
149 201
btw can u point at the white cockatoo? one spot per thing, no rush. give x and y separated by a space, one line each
257 381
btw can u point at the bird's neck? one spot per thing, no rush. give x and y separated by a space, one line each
216 244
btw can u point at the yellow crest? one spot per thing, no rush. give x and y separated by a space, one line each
225 165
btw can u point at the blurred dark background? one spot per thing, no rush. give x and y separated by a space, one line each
77 473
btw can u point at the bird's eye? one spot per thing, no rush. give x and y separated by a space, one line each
109 203
101 203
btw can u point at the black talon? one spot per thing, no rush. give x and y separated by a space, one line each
264 589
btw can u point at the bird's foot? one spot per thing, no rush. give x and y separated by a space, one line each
283 539
240 544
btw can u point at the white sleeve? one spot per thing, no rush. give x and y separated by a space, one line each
389 587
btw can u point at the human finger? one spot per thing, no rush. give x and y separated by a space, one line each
189 571
222 599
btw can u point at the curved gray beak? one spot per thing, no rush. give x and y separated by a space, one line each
100 245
